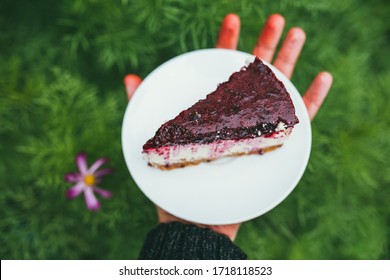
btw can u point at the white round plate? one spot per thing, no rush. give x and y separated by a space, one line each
228 190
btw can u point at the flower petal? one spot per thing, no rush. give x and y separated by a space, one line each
97 164
75 190
81 162
102 192
90 199
101 173
72 177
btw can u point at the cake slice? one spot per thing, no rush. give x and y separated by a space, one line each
250 113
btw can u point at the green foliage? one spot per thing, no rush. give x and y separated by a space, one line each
61 70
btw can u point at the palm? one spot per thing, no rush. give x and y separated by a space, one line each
265 48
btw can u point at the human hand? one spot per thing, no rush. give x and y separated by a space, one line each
265 49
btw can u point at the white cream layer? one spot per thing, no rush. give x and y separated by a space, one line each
170 155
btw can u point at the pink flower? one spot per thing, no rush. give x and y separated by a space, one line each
86 181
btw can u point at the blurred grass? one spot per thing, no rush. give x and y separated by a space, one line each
61 69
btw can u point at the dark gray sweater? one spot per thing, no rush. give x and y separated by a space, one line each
177 241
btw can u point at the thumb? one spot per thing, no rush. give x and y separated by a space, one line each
131 82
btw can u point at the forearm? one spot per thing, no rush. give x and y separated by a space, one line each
186 241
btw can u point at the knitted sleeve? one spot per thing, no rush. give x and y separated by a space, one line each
177 241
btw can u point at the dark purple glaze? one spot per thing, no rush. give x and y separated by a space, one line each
252 101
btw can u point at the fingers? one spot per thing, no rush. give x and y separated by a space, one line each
290 51
131 84
229 32
317 92
269 37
